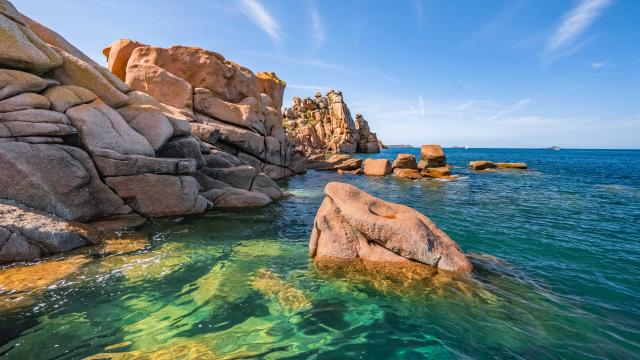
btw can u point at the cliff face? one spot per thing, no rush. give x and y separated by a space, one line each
78 144
216 94
324 123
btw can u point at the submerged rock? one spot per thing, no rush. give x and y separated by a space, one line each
353 224
26 234
482 165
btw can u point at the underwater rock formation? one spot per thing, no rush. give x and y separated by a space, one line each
324 124
351 224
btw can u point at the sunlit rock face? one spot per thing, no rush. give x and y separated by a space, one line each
217 94
79 143
351 224
324 123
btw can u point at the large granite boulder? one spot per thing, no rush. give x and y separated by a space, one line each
155 195
20 48
272 86
56 179
26 234
161 84
404 161
482 165
431 156
377 167
102 127
351 224
14 82
236 198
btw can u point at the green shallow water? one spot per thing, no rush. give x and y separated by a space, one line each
556 268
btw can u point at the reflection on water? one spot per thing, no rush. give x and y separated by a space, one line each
555 276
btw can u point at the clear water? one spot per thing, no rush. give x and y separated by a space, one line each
557 269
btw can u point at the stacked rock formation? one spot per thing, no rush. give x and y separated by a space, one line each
324 124
77 143
229 106
353 225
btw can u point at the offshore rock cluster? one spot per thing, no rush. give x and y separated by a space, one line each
324 124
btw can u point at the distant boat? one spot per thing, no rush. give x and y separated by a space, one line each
460 147
555 147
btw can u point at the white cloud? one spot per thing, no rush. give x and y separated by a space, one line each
259 15
599 64
318 28
309 87
421 103
573 24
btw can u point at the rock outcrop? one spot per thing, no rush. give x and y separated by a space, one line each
77 143
480 165
220 96
351 224
324 124
26 234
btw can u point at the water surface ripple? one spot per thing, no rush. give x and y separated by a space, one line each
556 253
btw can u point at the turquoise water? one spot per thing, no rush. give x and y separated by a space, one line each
556 251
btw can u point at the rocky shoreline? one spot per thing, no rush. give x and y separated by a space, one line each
176 131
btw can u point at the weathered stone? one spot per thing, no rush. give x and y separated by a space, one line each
482 165
325 124
206 133
240 177
243 114
66 96
276 172
377 167
403 173
207 183
24 101
13 82
404 161
21 49
148 122
217 161
202 69
180 118
55 179
53 38
431 156
237 137
39 139
160 195
35 116
118 54
264 184
273 124
437 172
270 84
110 163
250 160
298 163
26 234
352 224
75 71
101 127
185 148
236 198
512 165
29 129
161 84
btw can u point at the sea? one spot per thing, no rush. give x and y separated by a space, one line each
555 250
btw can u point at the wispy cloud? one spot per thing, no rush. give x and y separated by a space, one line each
261 17
494 26
417 4
309 87
573 24
318 28
421 104
600 64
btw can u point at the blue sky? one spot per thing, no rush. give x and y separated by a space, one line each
521 73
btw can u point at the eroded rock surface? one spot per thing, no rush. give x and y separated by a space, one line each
324 124
351 224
